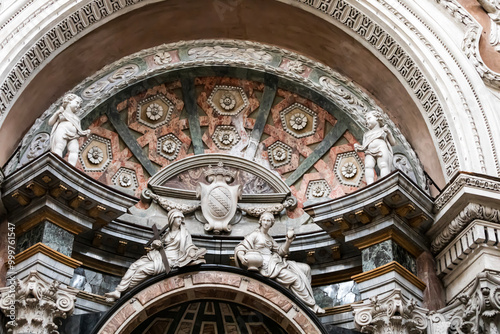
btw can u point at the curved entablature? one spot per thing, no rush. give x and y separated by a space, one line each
246 171
209 282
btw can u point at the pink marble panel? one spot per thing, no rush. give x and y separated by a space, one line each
270 294
216 278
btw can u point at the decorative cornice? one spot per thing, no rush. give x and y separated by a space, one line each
465 180
338 309
47 214
46 250
471 212
386 268
93 298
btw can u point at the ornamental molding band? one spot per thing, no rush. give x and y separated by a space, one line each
37 304
471 212
465 180
391 314
340 90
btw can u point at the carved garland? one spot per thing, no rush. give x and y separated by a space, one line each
342 12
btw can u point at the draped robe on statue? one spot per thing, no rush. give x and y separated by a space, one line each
290 274
180 252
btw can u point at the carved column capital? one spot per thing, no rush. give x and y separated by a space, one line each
391 314
38 305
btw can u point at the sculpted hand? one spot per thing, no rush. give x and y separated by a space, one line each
243 259
157 244
290 235
357 147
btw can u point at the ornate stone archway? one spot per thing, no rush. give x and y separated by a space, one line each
209 282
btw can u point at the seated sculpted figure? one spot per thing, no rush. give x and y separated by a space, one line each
377 145
260 252
66 128
178 247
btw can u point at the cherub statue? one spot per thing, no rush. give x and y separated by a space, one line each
260 252
178 247
377 145
66 128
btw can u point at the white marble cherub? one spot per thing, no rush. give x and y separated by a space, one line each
377 145
66 128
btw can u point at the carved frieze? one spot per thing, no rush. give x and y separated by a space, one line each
38 145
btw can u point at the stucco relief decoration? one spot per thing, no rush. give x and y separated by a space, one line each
401 162
154 111
279 154
296 66
39 305
219 200
391 314
162 58
228 100
116 78
219 51
225 137
125 178
349 169
96 154
168 146
38 145
492 7
299 121
66 128
318 189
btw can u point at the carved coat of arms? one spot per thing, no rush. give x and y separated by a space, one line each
218 199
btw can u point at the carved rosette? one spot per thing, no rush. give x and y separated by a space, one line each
125 178
95 154
318 189
279 154
299 121
349 169
391 314
154 111
228 100
168 146
225 137
38 303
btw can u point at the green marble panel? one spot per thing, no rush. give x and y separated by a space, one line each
49 234
336 294
385 252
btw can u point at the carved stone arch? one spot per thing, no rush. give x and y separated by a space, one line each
474 149
209 282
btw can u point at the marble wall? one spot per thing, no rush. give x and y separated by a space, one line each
336 294
94 282
385 252
49 234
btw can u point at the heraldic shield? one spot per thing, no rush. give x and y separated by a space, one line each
218 199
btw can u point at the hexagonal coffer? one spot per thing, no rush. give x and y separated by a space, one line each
299 121
225 137
168 146
279 154
95 154
349 169
125 178
228 100
154 111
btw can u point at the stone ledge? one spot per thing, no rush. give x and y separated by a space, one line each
55 255
392 266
